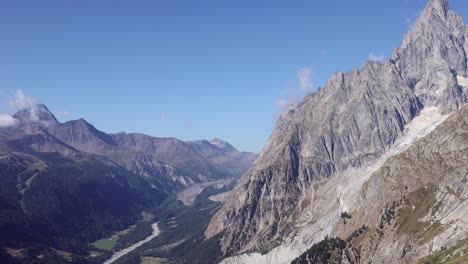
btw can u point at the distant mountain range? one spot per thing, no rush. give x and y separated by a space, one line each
168 161
67 184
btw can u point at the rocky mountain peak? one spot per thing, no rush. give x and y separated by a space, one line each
221 144
437 38
81 135
439 7
37 114
435 16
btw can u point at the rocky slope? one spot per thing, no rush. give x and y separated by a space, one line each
293 195
414 204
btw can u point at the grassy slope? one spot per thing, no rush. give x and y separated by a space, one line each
458 254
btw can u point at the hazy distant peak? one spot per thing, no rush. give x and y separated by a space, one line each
218 142
221 144
83 127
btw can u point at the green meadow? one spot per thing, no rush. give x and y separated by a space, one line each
105 244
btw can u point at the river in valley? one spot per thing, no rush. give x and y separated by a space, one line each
125 251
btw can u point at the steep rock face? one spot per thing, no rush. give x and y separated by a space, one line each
349 123
413 206
466 37
432 54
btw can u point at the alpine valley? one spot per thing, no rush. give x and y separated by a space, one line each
67 185
370 168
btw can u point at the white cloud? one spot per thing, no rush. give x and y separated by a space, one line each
305 78
281 103
376 57
21 101
7 121
305 84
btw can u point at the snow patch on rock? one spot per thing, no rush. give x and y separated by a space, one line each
353 179
221 197
462 81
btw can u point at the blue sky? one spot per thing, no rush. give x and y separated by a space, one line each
189 69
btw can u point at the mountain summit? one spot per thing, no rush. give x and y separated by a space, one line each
37 114
440 7
324 147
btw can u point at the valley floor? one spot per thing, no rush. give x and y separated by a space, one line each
125 251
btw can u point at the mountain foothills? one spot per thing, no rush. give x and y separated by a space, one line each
65 185
357 172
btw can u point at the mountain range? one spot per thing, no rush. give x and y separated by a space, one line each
65 185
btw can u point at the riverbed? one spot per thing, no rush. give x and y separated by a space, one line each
125 251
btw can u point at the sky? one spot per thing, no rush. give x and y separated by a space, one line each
188 69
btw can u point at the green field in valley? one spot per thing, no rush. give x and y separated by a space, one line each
105 244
